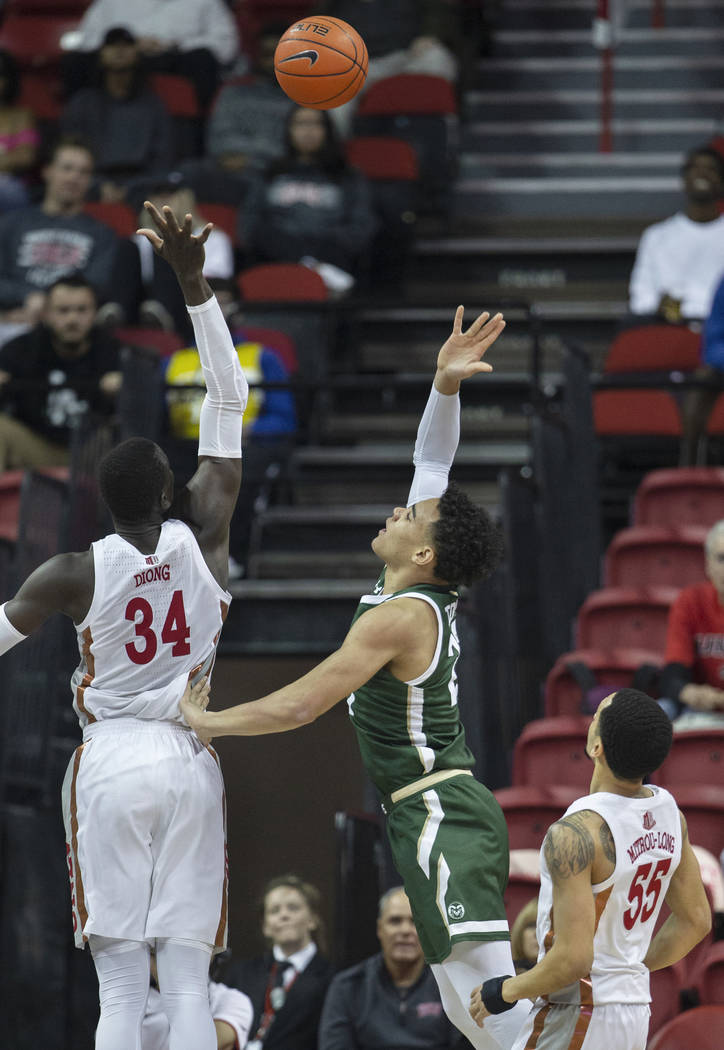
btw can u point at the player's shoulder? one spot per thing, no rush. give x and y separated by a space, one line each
571 842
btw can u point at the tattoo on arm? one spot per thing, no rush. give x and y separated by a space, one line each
568 848
607 844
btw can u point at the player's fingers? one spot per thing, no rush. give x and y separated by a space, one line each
458 320
188 224
153 237
155 214
478 323
201 238
170 218
481 366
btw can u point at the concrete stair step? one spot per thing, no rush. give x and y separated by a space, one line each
484 422
679 40
585 103
547 136
314 564
583 72
576 14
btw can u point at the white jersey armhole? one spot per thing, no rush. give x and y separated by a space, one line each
433 663
99 584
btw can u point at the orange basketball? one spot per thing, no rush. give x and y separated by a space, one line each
321 62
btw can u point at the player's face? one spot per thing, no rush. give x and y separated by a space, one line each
307 131
715 565
406 531
396 931
288 920
70 313
593 731
68 176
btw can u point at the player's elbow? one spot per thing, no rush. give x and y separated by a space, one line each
302 712
578 963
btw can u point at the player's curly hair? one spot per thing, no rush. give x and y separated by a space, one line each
468 543
636 734
131 478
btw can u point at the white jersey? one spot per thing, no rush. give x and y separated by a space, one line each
647 836
153 623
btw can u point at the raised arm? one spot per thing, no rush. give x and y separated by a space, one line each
214 488
439 431
64 584
690 918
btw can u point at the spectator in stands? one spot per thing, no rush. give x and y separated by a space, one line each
126 122
311 204
402 36
679 261
287 985
269 427
191 38
42 242
230 1009
523 941
53 376
245 129
162 304
692 680
18 137
390 999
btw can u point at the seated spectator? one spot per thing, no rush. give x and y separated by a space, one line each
230 1009
53 376
191 38
523 941
402 36
311 206
287 985
692 681
390 999
42 242
18 137
162 303
126 122
679 261
245 128
269 427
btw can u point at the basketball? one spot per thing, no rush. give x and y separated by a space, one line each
321 62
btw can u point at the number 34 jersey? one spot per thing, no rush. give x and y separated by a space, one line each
153 623
647 836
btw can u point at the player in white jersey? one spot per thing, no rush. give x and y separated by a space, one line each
143 798
606 868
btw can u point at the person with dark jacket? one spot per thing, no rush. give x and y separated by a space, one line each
390 999
311 202
287 984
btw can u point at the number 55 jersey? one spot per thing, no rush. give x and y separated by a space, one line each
647 837
154 621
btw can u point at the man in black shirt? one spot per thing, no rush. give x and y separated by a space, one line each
53 375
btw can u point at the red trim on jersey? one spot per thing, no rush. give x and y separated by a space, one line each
88 676
695 634
79 892
540 1020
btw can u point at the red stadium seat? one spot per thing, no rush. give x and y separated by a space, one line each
41 95
177 94
615 669
715 422
380 157
710 975
656 556
699 1029
685 496
34 40
636 412
654 348
273 338
696 757
222 215
120 217
553 751
616 617
163 343
10 484
531 809
666 986
408 93
281 282
703 807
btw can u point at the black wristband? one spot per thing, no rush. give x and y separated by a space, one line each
491 994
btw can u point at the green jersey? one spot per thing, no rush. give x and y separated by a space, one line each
409 729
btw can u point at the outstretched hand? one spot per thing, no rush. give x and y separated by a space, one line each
182 249
192 706
477 1007
461 355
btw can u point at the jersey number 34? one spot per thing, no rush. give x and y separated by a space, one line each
175 630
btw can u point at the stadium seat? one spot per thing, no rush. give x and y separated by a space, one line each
523 881
703 807
696 757
685 496
34 40
656 556
222 215
616 617
710 975
273 338
382 157
552 751
618 413
699 1029
10 484
163 343
666 986
120 217
614 669
715 422
41 94
531 809
281 282
654 348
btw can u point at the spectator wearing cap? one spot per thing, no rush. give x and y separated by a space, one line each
192 38
127 123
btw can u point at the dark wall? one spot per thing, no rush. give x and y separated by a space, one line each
282 793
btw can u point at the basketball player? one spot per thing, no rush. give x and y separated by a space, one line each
142 798
397 669
607 866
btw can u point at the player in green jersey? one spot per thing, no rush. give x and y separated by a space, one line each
396 667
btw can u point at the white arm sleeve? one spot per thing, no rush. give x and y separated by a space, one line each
226 387
9 636
437 440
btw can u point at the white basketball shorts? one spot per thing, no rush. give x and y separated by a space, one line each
615 1026
145 824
